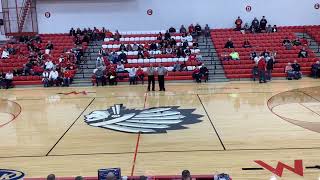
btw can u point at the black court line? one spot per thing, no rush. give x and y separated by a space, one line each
310 96
309 109
70 127
215 130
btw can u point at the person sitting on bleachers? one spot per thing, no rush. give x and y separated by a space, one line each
45 78
263 24
122 47
296 70
169 50
196 75
160 36
5 54
289 71
172 30
198 29
253 54
229 44
315 69
79 32
140 54
189 38
123 58
187 51
274 28
113 57
100 62
135 46
140 74
8 79
191 29
120 67
109 34
167 36
132 75
54 77
304 42
99 75
27 69
72 32
180 53
112 76
246 44
204 71
183 29
176 67
238 23
265 53
234 55
49 65
269 29
146 53
117 36
303 53
129 47
246 28
49 47
195 44
287 43
296 42
255 25
225 56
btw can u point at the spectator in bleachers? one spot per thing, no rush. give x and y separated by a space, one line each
129 47
173 42
207 30
103 52
187 51
45 78
246 28
100 62
51 177
265 53
263 24
140 74
167 35
86 39
135 46
99 75
122 47
238 23
5 54
120 68
132 75
146 54
49 65
113 57
78 178
108 34
262 70
27 69
287 43
140 54
183 29
186 175
195 44
123 57
296 42
315 69
160 36
198 29
72 32
196 75
246 44
204 71
184 66
234 55
169 50
269 29
255 26
289 71
191 29
8 79
296 70
78 32
54 77
180 53
225 56
153 46
229 44
11 49
303 53
253 54
304 41
176 67
172 30
95 34
274 28
49 47
117 36
151 71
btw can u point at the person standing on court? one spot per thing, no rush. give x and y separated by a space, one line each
151 71
162 71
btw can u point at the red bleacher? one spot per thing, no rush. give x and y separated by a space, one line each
260 42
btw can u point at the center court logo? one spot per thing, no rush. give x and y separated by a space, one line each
152 120
11 174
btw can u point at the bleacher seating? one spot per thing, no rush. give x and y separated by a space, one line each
60 42
260 42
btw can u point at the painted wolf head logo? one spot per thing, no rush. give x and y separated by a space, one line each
152 120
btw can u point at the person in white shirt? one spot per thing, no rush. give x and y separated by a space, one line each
189 38
61 59
8 79
120 67
132 75
45 78
5 54
100 62
49 65
54 77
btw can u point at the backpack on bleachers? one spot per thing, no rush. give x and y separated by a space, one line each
222 177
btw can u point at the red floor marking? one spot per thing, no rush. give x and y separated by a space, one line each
14 115
138 140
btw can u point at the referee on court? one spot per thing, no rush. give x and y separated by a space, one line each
151 71
162 71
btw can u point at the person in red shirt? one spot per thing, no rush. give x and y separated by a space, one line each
196 74
146 53
262 70
67 78
191 29
109 34
238 23
140 74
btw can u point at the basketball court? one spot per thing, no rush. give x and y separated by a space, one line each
44 131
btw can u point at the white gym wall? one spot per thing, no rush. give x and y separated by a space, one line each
132 14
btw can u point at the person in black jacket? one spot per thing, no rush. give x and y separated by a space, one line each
229 44
270 64
296 69
303 53
72 32
315 69
263 23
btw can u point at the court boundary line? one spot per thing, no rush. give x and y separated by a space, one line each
70 127
214 128
309 109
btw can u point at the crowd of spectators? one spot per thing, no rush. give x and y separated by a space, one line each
256 26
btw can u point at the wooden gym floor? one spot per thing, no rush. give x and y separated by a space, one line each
43 131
